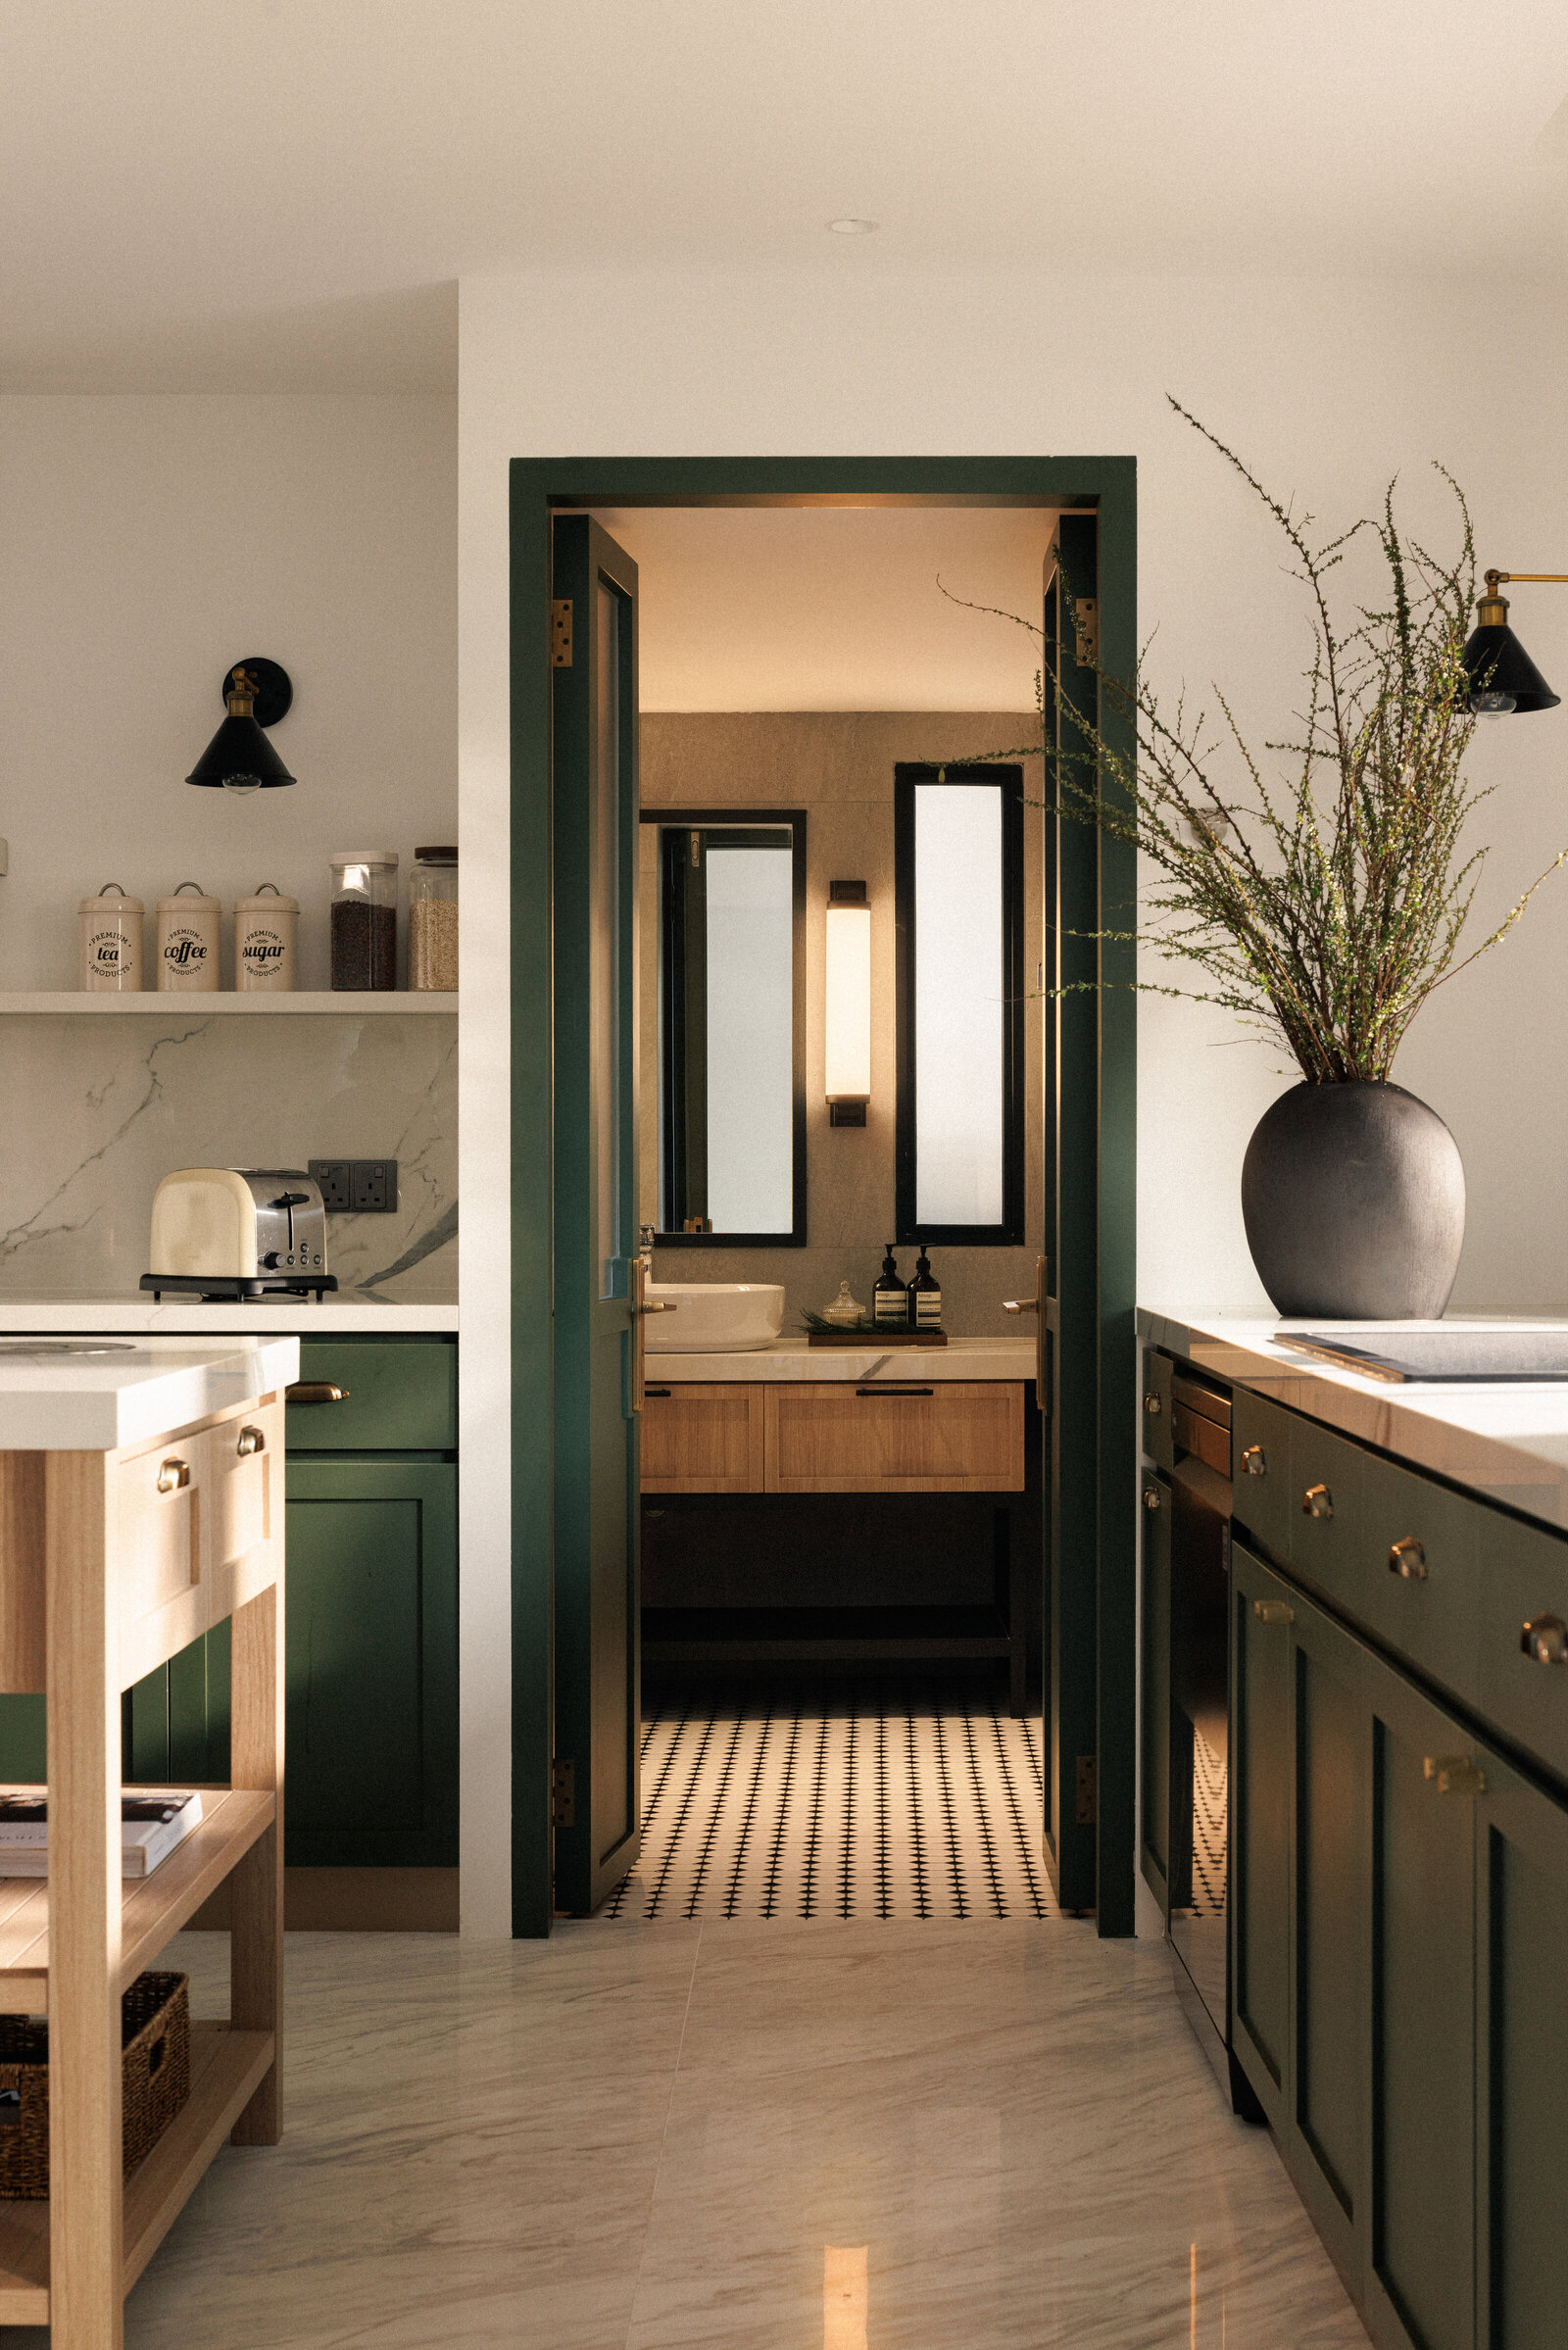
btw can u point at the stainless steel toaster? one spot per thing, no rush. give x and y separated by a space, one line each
239 1231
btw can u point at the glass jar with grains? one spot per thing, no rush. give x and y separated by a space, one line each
364 918
433 920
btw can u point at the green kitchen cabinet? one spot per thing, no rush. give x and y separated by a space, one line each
1154 1728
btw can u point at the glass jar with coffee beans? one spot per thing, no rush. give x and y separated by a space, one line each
364 918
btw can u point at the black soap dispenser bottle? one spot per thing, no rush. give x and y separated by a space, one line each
926 1296
890 1300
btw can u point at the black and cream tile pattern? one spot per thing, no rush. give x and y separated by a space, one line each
885 1800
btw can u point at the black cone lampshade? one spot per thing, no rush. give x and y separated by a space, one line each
239 757
1502 677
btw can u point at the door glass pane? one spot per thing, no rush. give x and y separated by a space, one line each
960 1011
750 1040
605 958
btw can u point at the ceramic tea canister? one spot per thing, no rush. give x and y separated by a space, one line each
265 932
187 941
111 941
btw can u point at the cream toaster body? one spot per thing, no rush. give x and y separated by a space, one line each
239 1231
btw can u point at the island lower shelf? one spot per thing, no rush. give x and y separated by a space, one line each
153 1908
227 2068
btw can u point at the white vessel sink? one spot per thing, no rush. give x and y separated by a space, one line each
715 1317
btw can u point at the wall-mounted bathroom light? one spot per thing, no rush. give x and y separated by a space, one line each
849 1004
239 758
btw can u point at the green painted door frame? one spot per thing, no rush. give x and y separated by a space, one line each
1094 1089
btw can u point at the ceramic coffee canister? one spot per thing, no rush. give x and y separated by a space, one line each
187 941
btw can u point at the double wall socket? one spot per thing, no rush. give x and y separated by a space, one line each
359 1187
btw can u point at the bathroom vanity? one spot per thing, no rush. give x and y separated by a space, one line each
737 1448
1394 1603
140 1506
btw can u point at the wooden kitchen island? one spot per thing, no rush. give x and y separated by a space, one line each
141 1502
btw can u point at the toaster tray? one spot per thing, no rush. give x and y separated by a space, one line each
221 1289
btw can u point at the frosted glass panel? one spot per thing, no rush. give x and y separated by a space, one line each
959 1009
751 1170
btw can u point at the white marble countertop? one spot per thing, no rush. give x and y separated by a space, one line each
1508 1442
340 1311
98 1403
795 1358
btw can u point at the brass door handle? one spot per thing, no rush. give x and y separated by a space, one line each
314 1390
1545 1638
1152 1406
251 1440
1254 1460
1037 1305
657 1306
173 1475
1152 1499
1317 1502
1455 1775
1273 1611
1020 1306
1408 1558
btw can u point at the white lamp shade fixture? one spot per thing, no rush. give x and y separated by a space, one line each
848 1001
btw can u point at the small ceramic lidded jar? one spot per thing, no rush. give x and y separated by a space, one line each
265 932
111 941
187 941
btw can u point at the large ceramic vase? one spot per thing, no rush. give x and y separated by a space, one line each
1353 1198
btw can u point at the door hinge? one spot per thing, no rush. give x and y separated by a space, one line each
1086 628
560 633
1087 1789
562 1794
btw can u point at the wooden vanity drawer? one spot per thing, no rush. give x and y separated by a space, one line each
1260 1449
953 1437
702 1439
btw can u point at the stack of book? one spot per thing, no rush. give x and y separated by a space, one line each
153 1820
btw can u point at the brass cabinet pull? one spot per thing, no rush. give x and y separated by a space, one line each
1317 1502
1407 1557
1545 1638
314 1390
1020 1306
1152 1496
1455 1775
173 1475
1254 1460
1152 1406
251 1440
1274 1611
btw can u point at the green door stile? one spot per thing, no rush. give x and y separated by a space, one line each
1091 1080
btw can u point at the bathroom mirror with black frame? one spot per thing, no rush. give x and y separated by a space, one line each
722 903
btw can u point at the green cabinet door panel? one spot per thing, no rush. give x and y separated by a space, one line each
1155 1729
371 1664
401 1395
22 1740
1261 1830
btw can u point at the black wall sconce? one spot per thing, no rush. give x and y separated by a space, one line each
1502 677
239 758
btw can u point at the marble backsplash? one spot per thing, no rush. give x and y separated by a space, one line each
99 1109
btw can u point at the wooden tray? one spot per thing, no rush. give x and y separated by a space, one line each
876 1337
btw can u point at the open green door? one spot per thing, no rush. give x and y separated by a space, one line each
598 1812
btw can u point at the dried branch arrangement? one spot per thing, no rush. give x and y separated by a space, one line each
1324 907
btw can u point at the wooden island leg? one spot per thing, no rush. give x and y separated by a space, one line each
256 1916
82 1680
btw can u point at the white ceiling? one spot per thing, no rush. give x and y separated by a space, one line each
784 609
275 193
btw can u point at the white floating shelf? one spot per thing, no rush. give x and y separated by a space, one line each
344 1003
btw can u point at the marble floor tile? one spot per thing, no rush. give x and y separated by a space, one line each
674 2136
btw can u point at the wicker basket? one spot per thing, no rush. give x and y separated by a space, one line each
154 2035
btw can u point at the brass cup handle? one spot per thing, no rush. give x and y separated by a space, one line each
251 1440
314 1390
1317 1502
1254 1460
1407 1557
1545 1639
1274 1611
1455 1774
173 1475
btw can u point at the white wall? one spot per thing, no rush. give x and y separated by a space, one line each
1327 388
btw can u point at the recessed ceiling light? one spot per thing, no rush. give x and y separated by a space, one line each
851 228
